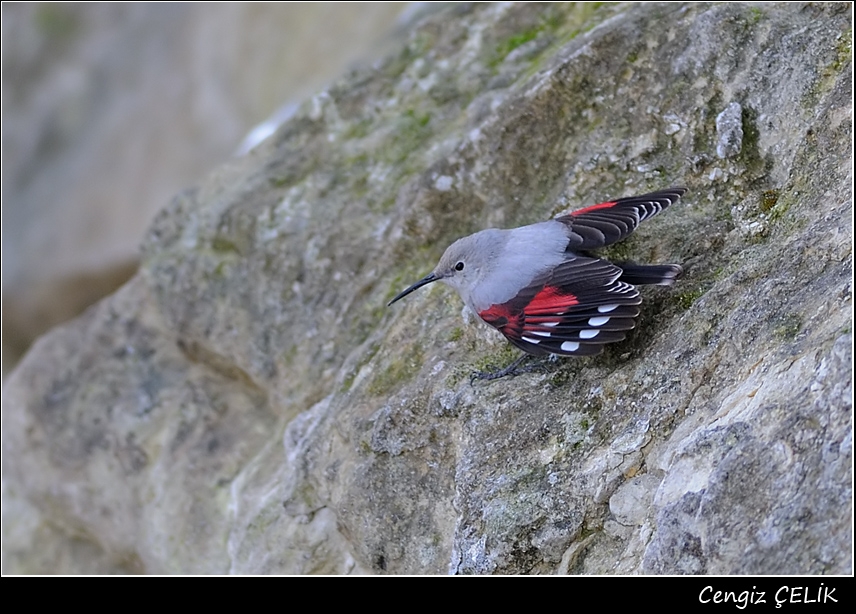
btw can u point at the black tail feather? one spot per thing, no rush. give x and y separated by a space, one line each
650 274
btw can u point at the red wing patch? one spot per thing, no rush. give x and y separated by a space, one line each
497 315
551 300
593 208
581 307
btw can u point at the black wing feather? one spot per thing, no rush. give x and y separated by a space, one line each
574 311
604 224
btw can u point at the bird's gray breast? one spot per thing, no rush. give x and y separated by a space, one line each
526 253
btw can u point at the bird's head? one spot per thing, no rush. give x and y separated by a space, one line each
463 264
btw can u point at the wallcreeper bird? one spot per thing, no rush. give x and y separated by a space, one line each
539 286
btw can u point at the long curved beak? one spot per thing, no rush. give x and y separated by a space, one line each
425 280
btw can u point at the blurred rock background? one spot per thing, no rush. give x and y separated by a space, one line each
111 109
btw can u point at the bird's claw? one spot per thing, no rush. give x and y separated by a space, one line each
511 370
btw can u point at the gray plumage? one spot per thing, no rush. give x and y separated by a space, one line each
540 287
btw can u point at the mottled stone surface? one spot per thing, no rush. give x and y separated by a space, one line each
110 108
248 404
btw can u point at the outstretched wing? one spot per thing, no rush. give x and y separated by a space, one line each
576 310
604 224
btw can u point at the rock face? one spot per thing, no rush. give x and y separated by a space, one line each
109 109
247 404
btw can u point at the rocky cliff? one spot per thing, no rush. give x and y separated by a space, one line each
247 403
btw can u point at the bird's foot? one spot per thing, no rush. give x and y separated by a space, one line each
513 369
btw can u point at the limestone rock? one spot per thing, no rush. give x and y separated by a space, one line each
109 109
247 403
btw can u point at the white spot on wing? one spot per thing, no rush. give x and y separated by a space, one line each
607 308
540 333
556 323
588 334
570 346
599 321
531 340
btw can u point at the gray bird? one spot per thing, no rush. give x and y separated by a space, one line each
539 286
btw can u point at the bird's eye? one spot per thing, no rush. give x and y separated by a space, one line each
459 266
